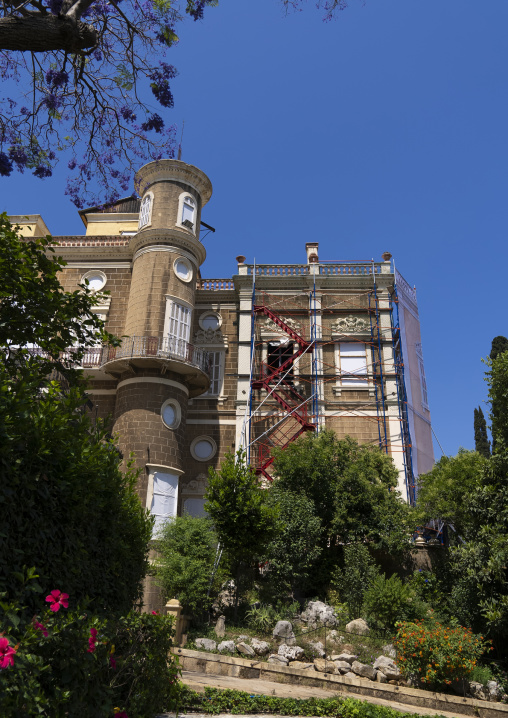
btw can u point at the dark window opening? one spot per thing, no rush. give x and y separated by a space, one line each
278 354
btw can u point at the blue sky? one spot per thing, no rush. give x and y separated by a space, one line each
384 130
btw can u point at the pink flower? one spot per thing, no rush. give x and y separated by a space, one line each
112 663
57 599
155 613
40 627
92 640
6 653
121 714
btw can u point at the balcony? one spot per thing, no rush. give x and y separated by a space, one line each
162 353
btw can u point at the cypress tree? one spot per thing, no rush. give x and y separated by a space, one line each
482 443
499 345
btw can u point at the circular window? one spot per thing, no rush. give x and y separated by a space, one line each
183 269
210 320
171 414
203 448
96 280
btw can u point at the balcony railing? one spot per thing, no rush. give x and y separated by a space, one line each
158 347
216 285
132 347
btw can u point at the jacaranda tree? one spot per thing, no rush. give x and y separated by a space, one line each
83 68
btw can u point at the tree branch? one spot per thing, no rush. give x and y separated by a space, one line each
45 33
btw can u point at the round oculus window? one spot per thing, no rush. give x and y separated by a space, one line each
183 270
171 414
210 320
203 448
96 280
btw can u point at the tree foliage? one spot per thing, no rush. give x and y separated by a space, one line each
242 516
67 508
296 545
481 439
76 74
445 491
499 345
352 488
187 547
479 566
35 312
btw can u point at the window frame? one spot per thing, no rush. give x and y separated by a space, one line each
349 380
181 209
145 214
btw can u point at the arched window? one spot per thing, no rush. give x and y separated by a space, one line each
145 211
188 212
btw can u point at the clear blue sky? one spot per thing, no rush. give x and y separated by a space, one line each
385 130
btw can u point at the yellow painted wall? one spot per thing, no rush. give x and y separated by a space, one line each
111 228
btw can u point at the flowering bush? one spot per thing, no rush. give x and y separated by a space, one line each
435 655
68 662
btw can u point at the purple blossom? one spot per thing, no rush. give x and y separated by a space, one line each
160 83
155 122
18 155
127 114
5 165
196 8
97 55
56 78
71 164
42 171
24 111
52 101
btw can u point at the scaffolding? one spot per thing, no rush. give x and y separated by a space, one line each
294 369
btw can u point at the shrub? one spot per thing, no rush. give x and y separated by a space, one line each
437 655
187 547
354 579
215 700
389 600
68 662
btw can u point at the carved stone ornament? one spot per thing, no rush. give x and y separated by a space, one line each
269 326
209 336
196 486
350 324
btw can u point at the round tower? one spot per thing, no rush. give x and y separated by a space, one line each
157 367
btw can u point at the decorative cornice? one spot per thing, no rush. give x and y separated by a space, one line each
269 326
210 336
171 170
350 325
179 239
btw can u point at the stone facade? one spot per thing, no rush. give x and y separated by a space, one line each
178 389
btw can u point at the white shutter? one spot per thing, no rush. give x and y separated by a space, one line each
144 211
179 321
165 497
353 364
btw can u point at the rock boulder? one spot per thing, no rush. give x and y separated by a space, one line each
324 666
292 653
226 646
283 633
206 644
364 670
358 626
317 613
260 647
245 649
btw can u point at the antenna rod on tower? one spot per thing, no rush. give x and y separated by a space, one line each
179 157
